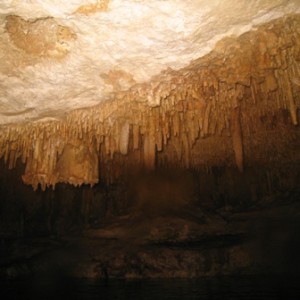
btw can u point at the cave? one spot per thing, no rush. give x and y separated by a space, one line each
150 140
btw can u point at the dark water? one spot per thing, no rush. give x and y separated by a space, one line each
263 287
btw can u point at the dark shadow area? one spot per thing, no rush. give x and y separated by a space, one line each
171 223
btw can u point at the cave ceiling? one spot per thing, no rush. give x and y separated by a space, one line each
62 55
84 83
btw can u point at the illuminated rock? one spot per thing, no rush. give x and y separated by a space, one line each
122 96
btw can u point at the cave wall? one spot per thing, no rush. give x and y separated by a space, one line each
168 192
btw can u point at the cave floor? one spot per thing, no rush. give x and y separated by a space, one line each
186 243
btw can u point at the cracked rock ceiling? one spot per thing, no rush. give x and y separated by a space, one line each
84 81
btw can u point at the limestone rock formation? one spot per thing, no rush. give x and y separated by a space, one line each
87 95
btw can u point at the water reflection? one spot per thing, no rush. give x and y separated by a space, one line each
250 287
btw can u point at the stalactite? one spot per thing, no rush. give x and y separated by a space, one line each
136 136
253 90
237 138
206 118
186 150
149 152
78 165
124 138
186 108
271 82
289 95
158 140
193 127
166 128
176 124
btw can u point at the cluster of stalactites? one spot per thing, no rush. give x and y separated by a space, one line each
221 94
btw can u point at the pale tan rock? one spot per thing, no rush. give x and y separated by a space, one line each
211 113
40 37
